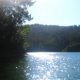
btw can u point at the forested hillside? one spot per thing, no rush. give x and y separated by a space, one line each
54 38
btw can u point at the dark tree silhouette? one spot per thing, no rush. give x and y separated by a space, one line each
13 14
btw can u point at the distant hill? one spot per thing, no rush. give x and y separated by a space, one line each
53 37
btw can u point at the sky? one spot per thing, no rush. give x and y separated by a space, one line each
55 12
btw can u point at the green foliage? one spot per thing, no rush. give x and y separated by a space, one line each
24 32
75 47
12 34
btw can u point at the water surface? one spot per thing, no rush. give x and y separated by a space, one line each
44 66
54 66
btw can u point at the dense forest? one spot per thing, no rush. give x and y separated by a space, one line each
54 38
12 16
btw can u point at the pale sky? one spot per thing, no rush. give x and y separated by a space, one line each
56 12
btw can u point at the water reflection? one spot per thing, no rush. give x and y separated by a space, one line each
43 66
43 55
52 66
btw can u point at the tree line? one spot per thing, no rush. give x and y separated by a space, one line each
54 38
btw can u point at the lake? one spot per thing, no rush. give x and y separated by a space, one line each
43 66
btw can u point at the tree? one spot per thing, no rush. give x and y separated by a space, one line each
13 14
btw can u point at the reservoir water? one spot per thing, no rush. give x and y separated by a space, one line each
43 66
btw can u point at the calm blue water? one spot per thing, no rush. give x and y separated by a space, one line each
45 66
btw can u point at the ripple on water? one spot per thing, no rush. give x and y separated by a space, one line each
52 66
